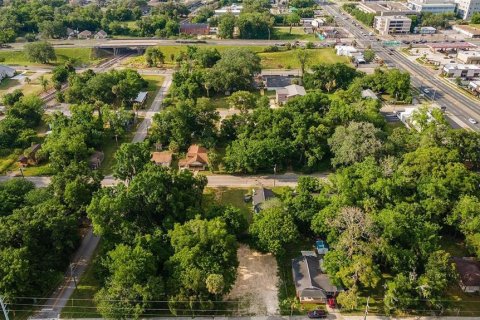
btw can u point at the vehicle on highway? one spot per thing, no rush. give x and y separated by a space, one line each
317 314
471 120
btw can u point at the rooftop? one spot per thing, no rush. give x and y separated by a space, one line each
461 66
470 29
468 270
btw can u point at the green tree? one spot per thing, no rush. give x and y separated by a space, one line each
292 19
130 159
369 55
274 228
41 52
354 143
226 26
242 100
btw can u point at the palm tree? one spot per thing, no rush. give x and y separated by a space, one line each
43 82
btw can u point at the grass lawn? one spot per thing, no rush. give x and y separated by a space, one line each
220 102
7 83
288 59
110 146
8 161
231 196
81 304
283 33
79 56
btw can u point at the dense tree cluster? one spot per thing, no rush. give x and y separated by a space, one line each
23 114
365 18
157 231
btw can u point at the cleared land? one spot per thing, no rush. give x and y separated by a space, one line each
283 33
79 56
256 284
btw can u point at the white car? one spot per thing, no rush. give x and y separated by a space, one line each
426 91
471 120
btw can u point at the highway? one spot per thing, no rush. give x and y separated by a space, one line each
457 104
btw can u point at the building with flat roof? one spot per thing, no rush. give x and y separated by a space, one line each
392 24
432 6
463 71
390 8
470 32
233 9
469 57
425 30
466 8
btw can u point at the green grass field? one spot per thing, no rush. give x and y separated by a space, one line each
283 33
79 56
288 59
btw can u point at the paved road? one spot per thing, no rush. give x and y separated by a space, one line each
214 181
58 300
142 130
458 104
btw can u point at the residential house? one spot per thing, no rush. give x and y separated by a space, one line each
233 9
288 92
71 33
196 159
163 158
195 28
96 160
469 273
369 94
311 283
259 196
274 82
85 34
6 72
141 98
101 35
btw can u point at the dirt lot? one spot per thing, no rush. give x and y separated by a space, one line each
256 285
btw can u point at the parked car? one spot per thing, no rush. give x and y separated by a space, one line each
426 91
332 303
317 314
471 120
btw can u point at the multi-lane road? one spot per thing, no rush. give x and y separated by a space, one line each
459 105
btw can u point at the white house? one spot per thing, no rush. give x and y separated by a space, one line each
6 72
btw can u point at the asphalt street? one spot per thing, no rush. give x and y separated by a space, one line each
456 103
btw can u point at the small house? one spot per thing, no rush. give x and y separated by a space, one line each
274 82
469 273
163 158
195 28
96 160
71 33
259 196
101 35
196 159
141 98
312 285
288 92
85 34
6 72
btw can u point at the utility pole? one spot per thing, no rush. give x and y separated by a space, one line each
366 309
274 174
4 308
72 274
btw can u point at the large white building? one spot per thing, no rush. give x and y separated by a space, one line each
469 57
463 71
433 6
392 24
233 9
466 8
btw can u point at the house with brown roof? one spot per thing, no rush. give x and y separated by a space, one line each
196 159
469 273
195 28
101 35
85 34
163 158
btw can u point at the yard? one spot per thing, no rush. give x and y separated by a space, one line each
283 33
288 59
79 56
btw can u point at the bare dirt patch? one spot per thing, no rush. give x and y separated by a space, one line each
256 284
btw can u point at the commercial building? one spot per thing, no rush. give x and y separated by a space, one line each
468 31
466 8
195 28
425 30
432 6
469 57
392 24
475 87
233 9
390 8
349 51
463 71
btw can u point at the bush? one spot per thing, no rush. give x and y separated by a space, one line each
271 49
310 45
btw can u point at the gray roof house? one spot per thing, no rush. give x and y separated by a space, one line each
274 82
469 273
101 35
311 283
6 72
291 91
259 196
